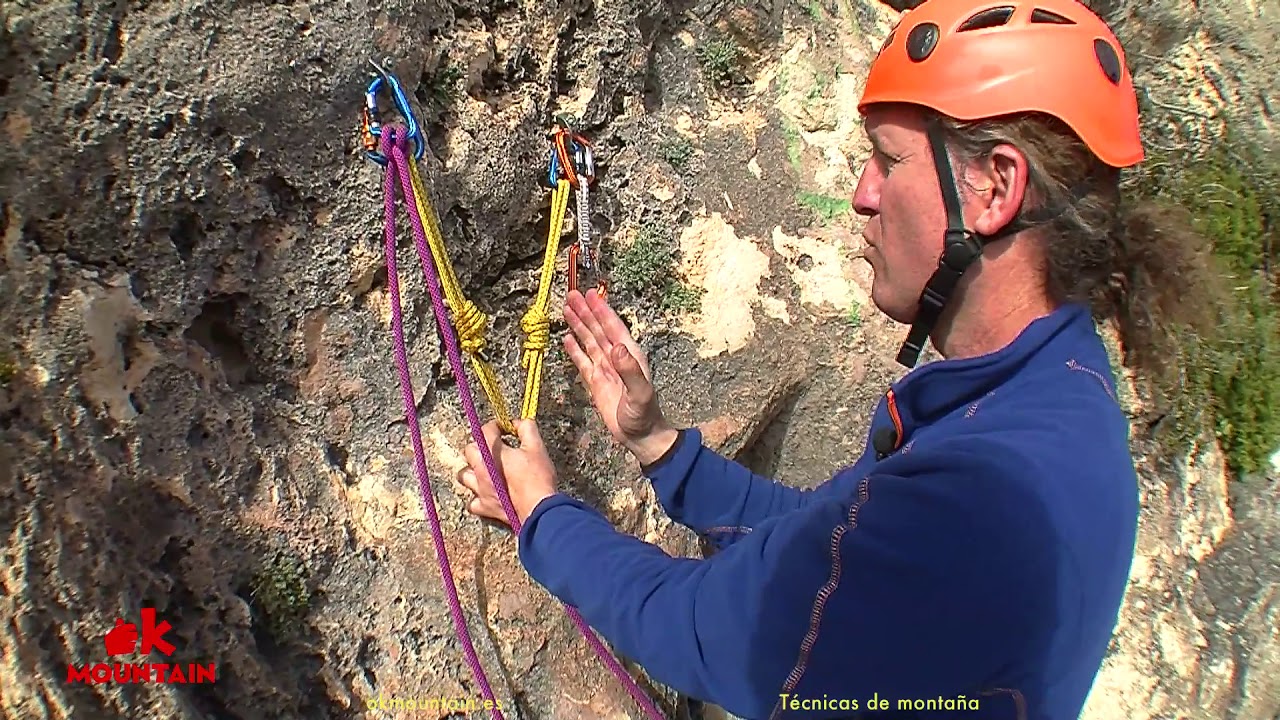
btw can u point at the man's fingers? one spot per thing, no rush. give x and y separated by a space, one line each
631 372
590 371
586 336
576 302
592 324
530 438
616 332
492 436
577 332
471 453
596 311
467 479
579 358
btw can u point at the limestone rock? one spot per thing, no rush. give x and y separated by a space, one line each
195 326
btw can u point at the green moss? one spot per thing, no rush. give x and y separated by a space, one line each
280 590
820 82
440 89
8 370
676 150
719 58
645 264
1245 382
679 296
792 135
824 206
854 315
1230 381
646 269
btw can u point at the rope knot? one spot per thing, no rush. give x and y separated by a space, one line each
471 326
537 329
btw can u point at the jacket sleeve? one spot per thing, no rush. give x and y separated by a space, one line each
892 591
719 498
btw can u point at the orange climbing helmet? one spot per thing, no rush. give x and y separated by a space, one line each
973 59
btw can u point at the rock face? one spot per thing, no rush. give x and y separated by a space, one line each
1197 634
198 406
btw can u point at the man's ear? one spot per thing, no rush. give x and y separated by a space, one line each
1004 182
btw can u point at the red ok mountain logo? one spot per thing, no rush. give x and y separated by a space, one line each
120 640
126 639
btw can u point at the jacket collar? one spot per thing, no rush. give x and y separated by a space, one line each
931 391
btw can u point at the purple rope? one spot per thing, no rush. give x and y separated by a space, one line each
394 148
411 414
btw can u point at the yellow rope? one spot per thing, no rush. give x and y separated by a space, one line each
470 323
535 323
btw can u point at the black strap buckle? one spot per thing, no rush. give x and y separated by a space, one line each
960 249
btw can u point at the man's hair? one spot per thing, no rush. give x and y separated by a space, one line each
1139 263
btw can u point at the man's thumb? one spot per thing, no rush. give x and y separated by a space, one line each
527 431
629 369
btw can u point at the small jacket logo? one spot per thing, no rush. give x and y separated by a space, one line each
125 639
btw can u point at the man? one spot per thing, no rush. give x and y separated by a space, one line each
973 561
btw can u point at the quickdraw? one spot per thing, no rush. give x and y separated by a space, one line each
571 163
392 152
470 322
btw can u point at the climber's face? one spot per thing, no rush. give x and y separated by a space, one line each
898 193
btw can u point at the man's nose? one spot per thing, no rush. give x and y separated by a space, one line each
866 196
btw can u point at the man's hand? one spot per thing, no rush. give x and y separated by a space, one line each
528 470
616 374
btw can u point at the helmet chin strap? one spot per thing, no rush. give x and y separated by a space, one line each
961 248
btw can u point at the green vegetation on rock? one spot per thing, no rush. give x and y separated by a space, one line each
677 151
1230 382
824 206
8 370
280 590
439 90
719 59
646 269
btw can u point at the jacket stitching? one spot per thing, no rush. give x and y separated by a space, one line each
973 409
727 529
825 592
1018 700
1105 386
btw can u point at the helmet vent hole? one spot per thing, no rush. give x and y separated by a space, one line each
921 41
1108 59
993 17
887 42
1040 15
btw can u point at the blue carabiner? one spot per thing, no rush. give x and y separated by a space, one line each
553 170
372 123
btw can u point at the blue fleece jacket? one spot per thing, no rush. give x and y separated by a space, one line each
978 561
